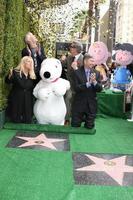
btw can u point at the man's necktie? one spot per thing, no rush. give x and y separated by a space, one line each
87 74
73 58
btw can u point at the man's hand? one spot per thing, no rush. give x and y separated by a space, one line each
63 58
32 44
93 78
38 49
74 65
29 50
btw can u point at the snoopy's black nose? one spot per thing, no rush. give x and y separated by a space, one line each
46 75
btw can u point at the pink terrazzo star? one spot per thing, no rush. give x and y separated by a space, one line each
115 168
40 140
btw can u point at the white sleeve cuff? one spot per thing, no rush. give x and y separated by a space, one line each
94 83
88 84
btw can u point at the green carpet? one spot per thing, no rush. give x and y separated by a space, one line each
49 128
111 103
112 136
27 174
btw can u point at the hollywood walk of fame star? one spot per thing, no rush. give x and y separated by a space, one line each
40 140
115 168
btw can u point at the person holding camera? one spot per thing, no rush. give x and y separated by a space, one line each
86 83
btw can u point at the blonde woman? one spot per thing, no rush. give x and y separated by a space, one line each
20 101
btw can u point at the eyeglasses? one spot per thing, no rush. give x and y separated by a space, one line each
73 46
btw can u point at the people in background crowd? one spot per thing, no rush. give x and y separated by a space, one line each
130 67
20 101
35 50
86 83
103 71
71 63
113 67
63 62
104 74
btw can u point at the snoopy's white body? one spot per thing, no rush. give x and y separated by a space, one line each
50 107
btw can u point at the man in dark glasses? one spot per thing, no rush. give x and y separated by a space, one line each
72 62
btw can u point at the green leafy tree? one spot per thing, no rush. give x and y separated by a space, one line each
14 23
2 27
78 25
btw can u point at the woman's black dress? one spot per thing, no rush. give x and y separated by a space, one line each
20 101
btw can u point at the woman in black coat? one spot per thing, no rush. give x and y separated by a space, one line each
20 101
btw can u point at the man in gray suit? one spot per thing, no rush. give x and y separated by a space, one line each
72 62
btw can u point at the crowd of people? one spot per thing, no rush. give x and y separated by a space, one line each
85 77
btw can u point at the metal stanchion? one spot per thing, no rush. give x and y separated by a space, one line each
131 120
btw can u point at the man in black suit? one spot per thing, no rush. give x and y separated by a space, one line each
86 83
71 63
35 50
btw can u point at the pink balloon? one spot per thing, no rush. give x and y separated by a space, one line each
99 51
123 57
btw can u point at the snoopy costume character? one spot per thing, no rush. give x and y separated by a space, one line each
50 107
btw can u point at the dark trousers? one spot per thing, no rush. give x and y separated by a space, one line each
84 112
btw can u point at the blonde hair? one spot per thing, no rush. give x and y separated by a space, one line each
20 67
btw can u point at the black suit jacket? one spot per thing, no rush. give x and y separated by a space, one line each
67 69
79 85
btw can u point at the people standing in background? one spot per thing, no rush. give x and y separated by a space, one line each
104 73
36 51
112 67
130 67
20 101
63 62
72 62
86 83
